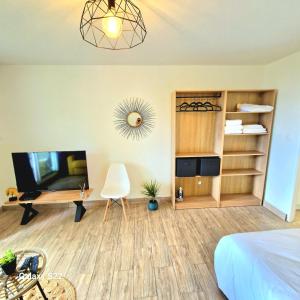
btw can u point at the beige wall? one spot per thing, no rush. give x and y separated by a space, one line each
71 107
284 164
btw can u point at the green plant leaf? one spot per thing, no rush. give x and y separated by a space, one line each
151 189
8 257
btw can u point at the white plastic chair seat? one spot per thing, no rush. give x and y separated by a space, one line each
114 192
117 184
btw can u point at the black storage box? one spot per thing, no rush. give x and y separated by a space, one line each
209 166
186 167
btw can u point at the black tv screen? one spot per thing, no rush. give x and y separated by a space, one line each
52 171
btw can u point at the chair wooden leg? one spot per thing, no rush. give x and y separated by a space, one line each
106 210
126 201
124 211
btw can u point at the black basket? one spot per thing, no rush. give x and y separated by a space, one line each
10 268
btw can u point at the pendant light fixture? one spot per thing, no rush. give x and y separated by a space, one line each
112 24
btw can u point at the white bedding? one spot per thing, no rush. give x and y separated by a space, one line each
259 265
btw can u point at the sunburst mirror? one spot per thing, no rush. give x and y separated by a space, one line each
134 118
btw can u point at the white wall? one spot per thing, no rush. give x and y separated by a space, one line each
71 107
284 164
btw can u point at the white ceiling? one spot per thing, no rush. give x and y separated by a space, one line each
179 32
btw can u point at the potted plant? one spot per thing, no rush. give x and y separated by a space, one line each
151 189
8 262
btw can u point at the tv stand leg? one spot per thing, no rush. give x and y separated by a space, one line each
41 291
29 213
80 211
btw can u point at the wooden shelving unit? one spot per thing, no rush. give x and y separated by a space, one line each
206 201
263 133
228 200
246 112
243 153
199 154
244 157
240 172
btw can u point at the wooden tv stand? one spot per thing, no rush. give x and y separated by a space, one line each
52 198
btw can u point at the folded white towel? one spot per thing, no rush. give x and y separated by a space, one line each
263 130
240 132
254 129
231 131
253 126
233 122
246 107
234 127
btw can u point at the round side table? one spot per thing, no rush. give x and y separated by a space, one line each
16 285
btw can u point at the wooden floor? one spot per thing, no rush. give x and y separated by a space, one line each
159 255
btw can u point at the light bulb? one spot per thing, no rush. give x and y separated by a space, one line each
112 26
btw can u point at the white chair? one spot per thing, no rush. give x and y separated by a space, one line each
116 187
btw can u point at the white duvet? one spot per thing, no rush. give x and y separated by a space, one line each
259 265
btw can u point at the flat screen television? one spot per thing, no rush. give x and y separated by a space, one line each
50 171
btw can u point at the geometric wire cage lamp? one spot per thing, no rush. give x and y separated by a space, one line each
112 24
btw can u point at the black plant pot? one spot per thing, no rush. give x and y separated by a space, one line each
10 268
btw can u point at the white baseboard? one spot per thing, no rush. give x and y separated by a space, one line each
275 211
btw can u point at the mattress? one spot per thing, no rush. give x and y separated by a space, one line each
259 265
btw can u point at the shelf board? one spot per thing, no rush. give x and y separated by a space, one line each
197 154
239 200
205 201
198 111
240 172
196 176
239 134
243 153
248 112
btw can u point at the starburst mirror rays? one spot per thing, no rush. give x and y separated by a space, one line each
134 118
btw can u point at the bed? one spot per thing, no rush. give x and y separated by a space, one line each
259 265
